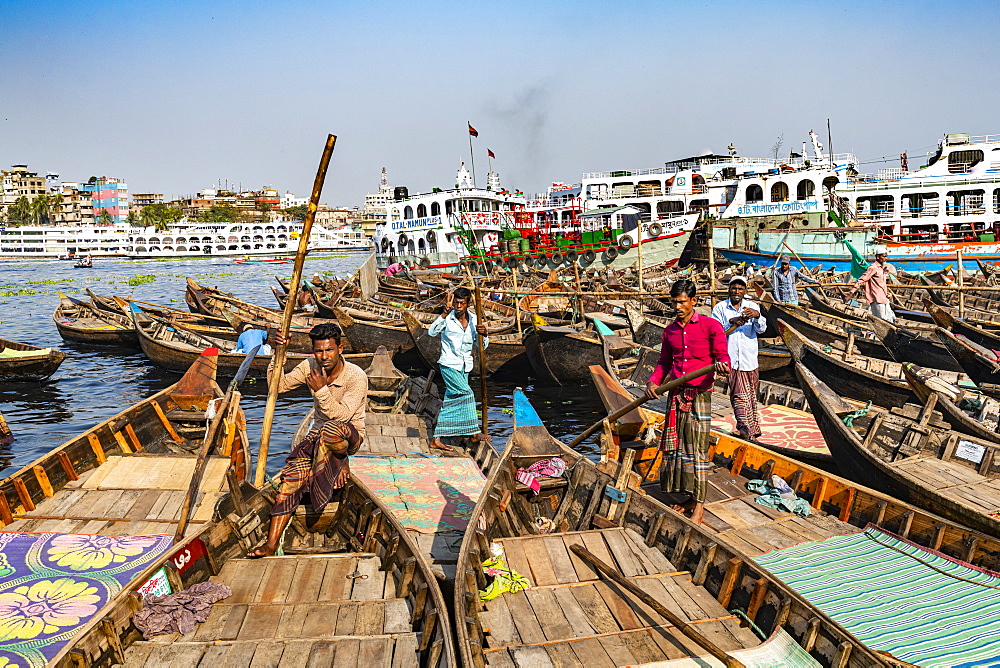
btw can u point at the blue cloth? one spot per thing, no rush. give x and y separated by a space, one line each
785 290
743 341
775 493
250 339
457 342
458 415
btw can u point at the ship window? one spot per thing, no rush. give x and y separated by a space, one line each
421 246
919 205
649 189
449 206
779 192
875 208
669 208
435 209
421 211
698 205
996 200
408 213
961 162
965 202
755 193
805 189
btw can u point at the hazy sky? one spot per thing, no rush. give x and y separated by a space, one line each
174 96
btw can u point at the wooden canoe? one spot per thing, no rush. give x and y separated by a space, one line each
368 335
643 542
990 338
505 352
968 412
919 346
81 322
825 329
25 362
298 335
976 361
562 355
913 455
852 375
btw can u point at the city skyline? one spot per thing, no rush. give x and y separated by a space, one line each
174 98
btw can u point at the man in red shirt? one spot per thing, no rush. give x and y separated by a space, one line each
689 343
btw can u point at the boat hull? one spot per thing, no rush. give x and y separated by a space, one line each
562 355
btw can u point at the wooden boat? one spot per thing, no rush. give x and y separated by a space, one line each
505 353
980 363
968 412
573 615
173 347
201 325
209 301
83 264
913 455
359 592
265 260
369 335
918 346
852 375
81 322
982 336
25 362
298 334
562 355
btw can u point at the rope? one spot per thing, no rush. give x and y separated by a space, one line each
756 629
861 412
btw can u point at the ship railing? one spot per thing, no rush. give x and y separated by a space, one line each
638 192
893 184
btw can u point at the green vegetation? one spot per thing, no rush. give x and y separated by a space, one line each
20 293
220 213
160 215
141 279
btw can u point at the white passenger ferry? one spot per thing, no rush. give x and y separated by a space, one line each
239 239
67 241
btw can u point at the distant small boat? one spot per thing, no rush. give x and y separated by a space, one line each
263 260
84 264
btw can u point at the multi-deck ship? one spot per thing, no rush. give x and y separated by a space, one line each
179 240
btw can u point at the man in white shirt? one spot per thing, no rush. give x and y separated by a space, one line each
458 330
744 377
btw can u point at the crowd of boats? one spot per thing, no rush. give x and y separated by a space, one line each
890 463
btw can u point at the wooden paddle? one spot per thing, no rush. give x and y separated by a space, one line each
286 316
666 387
681 624
483 404
206 445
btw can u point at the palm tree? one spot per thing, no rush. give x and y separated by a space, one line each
105 218
20 211
40 209
133 219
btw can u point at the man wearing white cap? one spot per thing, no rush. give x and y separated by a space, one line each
744 375
876 290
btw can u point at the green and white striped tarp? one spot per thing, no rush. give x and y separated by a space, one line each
919 606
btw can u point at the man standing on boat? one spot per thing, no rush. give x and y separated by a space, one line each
876 289
690 342
458 330
744 378
318 464
785 279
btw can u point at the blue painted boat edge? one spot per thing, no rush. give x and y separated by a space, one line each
924 263
525 414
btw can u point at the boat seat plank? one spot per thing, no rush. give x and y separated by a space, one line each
979 496
936 473
547 611
157 472
737 514
746 541
536 554
558 556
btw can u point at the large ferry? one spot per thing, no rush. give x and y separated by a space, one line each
53 241
239 239
608 219
922 217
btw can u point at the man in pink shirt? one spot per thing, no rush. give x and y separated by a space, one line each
876 289
690 342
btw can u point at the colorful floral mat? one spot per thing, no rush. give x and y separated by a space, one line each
427 494
783 427
51 584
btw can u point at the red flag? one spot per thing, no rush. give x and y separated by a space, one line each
473 131
490 153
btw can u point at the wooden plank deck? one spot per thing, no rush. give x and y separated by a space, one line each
572 616
325 610
130 494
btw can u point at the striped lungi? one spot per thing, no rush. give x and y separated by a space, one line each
685 443
458 415
313 466
743 396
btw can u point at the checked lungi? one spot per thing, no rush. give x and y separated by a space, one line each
312 467
458 415
685 443
743 396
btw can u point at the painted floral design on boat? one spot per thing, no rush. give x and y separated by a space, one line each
84 553
44 606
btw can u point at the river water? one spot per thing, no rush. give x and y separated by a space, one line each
94 383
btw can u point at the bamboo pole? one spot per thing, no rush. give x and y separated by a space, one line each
517 314
639 244
710 232
483 403
286 319
961 284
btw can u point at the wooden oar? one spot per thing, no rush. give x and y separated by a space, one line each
666 387
660 609
483 404
206 446
286 316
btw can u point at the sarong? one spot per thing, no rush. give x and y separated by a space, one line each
312 467
743 397
883 311
685 443
458 409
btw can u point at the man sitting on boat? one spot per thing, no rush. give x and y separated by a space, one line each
318 464
690 342
744 376
458 330
876 289
785 279
250 338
